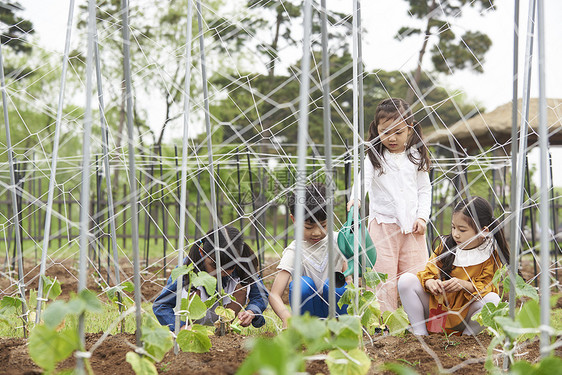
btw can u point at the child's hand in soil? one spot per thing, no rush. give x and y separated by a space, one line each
245 317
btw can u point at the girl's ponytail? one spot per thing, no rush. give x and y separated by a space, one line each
501 241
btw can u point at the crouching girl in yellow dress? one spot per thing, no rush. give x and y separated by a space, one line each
457 280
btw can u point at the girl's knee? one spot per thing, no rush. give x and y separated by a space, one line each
407 281
491 297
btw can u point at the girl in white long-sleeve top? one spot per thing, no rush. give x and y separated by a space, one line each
397 181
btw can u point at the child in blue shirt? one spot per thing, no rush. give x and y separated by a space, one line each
239 279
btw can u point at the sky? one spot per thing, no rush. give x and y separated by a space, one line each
382 19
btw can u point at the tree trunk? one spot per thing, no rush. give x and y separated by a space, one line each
274 44
417 75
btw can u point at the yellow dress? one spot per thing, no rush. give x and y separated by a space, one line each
457 303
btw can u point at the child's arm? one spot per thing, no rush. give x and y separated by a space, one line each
275 300
424 202
164 305
253 314
240 295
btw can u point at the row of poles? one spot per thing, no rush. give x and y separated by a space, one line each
358 152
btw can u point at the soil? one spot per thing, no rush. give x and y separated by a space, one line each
464 354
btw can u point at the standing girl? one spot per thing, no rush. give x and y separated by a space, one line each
459 274
397 181
239 278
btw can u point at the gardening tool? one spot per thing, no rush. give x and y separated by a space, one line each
437 317
345 244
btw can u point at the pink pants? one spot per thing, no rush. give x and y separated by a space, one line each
397 253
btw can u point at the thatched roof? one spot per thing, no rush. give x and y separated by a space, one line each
494 128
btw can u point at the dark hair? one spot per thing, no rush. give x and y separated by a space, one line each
393 109
233 251
314 202
480 215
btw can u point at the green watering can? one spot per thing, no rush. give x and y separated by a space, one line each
345 244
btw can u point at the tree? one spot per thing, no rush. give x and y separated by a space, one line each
275 22
246 112
449 52
17 29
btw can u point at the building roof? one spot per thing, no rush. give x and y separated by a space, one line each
485 130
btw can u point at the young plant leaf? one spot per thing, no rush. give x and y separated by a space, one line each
548 365
141 365
194 307
354 362
225 313
398 369
373 278
272 356
180 271
55 313
47 347
206 281
51 287
396 321
522 289
193 341
157 339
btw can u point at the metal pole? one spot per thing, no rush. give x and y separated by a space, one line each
52 179
183 181
355 148
543 205
107 169
213 208
13 189
361 124
328 161
519 168
132 169
301 162
85 188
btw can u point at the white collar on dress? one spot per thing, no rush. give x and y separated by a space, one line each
477 255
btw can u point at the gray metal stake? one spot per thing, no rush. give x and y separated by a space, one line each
301 162
328 161
213 208
54 157
13 189
132 169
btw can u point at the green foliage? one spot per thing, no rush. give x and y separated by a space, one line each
522 289
141 365
47 346
368 308
450 52
549 365
51 287
398 369
505 330
205 280
8 307
181 270
196 339
354 362
396 321
272 356
225 313
193 308
157 339
307 336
